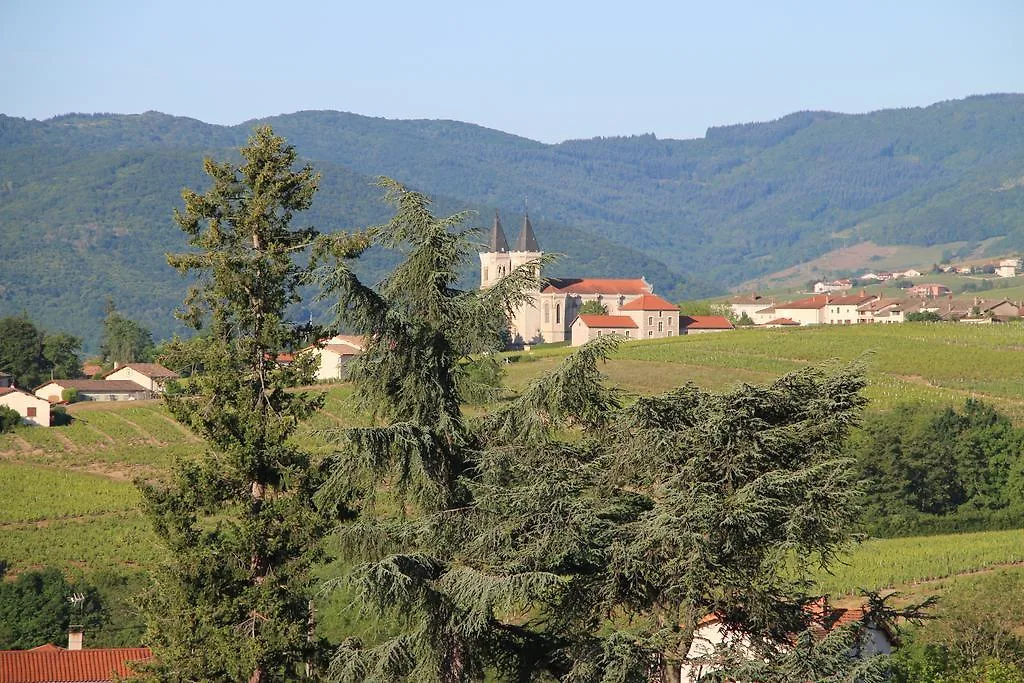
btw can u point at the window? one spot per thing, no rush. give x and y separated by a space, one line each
547 312
661 326
650 320
31 412
558 313
627 334
670 321
487 274
661 313
670 333
650 333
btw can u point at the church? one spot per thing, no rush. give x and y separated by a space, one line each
552 314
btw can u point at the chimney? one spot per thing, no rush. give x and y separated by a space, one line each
75 635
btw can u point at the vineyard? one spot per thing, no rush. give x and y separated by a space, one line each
68 497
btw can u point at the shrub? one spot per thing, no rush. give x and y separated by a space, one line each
9 419
59 416
70 395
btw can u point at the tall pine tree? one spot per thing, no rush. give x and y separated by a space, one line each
233 604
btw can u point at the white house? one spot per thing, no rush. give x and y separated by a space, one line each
150 376
33 410
334 354
1008 267
749 304
809 311
843 310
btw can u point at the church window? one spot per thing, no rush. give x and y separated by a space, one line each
547 312
558 313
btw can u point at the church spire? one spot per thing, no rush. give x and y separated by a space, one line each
527 240
498 241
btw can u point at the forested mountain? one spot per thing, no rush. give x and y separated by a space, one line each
85 200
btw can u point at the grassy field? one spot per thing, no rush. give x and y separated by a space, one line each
67 496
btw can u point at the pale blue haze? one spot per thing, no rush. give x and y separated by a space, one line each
544 70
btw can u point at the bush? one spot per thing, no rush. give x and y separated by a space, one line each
59 416
9 419
70 395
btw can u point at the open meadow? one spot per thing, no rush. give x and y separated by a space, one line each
68 498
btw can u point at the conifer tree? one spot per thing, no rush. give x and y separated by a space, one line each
568 535
233 604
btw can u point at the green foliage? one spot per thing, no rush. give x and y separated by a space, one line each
921 462
69 395
21 350
593 308
239 522
61 354
564 534
9 419
35 609
923 317
59 416
124 340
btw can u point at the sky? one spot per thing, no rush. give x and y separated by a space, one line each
549 71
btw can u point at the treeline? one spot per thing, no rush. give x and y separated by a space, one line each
933 471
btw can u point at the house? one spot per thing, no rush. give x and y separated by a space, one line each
749 304
884 310
1008 267
93 390
911 273
90 369
33 410
655 317
52 664
929 291
334 354
842 310
702 324
151 376
836 286
874 638
553 307
809 311
587 327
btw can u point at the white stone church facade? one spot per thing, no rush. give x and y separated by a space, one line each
554 307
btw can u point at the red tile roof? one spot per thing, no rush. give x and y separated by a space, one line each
608 321
151 370
6 390
851 300
53 664
591 285
783 321
705 322
650 302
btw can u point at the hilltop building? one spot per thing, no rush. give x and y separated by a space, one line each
552 314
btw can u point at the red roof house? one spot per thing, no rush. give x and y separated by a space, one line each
587 327
696 324
52 664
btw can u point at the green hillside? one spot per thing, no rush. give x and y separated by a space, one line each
85 200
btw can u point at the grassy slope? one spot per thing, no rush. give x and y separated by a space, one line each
69 500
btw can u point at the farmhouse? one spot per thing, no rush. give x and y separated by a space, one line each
752 305
553 308
151 376
93 390
809 311
33 410
875 638
929 291
586 327
842 310
334 354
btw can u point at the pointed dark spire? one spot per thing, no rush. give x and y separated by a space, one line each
527 240
498 241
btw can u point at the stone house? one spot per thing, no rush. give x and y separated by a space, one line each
843 310
335 354
587 327
704 324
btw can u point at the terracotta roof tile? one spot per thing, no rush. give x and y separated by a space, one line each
608 321
114 385
783 321
52 664
810 302
650 302
596 286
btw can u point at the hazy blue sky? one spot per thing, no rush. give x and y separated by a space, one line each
544 70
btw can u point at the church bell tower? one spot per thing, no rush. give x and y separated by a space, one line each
496 262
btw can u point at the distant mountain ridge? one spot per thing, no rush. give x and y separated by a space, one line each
85 200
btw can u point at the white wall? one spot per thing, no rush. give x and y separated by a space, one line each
25 404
